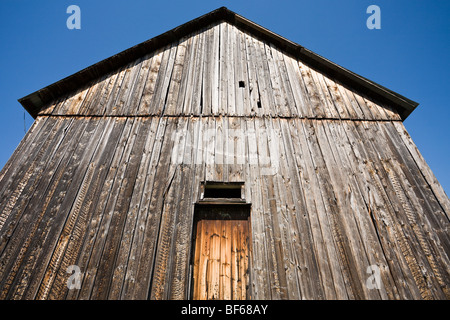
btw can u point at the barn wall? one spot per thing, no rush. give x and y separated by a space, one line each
115 197
106 180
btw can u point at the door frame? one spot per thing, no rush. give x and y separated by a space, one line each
201 212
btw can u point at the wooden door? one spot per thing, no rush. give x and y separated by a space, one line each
221 260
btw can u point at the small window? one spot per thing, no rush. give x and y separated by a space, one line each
241 84
222 191
219 190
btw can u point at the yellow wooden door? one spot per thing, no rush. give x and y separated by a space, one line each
221 260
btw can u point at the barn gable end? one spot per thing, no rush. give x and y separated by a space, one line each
109 178
219 70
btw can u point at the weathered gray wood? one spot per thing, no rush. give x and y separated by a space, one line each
263 78
331 218
347 197
53 241
223 67
186 77
274 76
278 283
26 223
130 227
164 254
206 91
379 207
71 104
100 221
37 151
87 104
75 227
287 229
261 274
209 145
133 99
197 97
183 238
311 91
362 205
239 63
144 107
258 86
220 151
324 96
173 92
422 212
32 134
137 247
15 167
424 168
333 90
288 96
40 246
102 284
158 195
17 198
411 272
94 106
305 252
330 274
123 91
108 177
252 82
159 98
298 87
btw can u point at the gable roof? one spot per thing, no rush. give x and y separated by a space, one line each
35 101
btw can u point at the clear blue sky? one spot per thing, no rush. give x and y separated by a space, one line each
409 54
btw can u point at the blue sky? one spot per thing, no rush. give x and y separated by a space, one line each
408 55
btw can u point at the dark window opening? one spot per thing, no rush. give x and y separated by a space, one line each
259 104
241 84
220 190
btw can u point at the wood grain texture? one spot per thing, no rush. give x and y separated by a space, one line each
221 260
107 179
218 59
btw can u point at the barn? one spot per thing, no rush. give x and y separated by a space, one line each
220 160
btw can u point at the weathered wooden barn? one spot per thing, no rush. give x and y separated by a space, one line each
220 161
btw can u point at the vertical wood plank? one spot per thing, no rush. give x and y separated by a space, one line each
130 227
317 109
157 100
88 250
226 261
172 104
133 101
145 103
60 208
121 105
138 248
77 222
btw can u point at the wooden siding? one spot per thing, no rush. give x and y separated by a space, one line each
106 180
114 197
200 74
